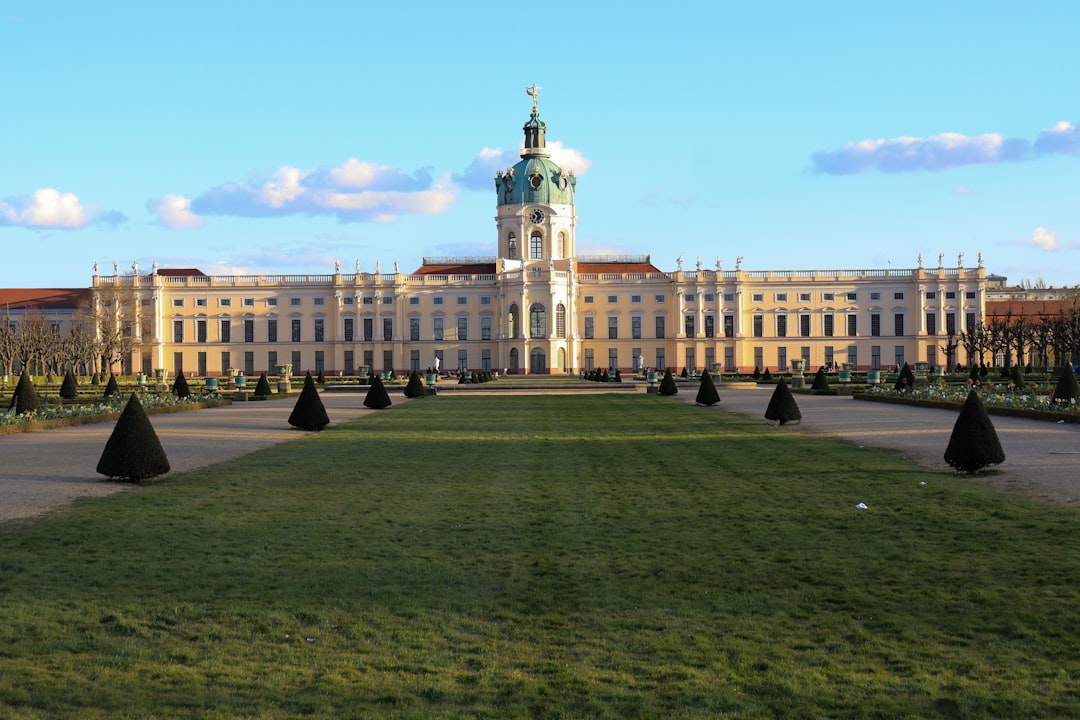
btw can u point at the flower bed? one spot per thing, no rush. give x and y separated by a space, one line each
67 414
1031 401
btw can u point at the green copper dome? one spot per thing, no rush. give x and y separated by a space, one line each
535 179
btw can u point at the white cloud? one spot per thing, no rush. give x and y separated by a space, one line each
911 154
480 174
355 191
174 211
1043 239
568 158
1063 137
48 208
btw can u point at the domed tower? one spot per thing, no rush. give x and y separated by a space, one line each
535 207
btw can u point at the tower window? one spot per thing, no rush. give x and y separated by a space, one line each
512 240
536 246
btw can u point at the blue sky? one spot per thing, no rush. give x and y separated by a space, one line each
279 137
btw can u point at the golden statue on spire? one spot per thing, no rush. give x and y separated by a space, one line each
534 93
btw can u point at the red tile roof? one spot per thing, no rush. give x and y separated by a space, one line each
471 269
44 298
617 268
1029 309
181 272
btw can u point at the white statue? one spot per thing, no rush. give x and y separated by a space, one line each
357 267
337 266
678 262
920 259
699 263
115 268
979 256
397 267
134 267
378 266
719 264
960 260
738 263
436 364
940 259
153 268
95 267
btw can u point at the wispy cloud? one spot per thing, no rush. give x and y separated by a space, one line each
943 151
1043 239
50 209
174 211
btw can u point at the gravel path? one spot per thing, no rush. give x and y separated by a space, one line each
42 471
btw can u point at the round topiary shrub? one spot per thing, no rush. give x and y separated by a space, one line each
262 388
782 406
25 398
377 397
309 413
707 394
133 452
69 389
111 388
415 388
667 385
974 443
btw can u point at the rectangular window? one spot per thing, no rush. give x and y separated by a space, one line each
437 328
691 360
661 360
853 356
178 331
319 301
852 325
898 324
729 359
388 360
875 357
950 295
589 331
387 329
463 328
200 331
804 297
729 326
691 297
414 328
485 327
295 329
851 297
875 325
729 297
320 330
931 295
249 363
225 330
710 297
781 358
827 297
759 326
659 327
200 302
485 360
950 323
827 324
437 300
294 302
875 296
348 300
804 326
759 357
589 361
588 299
226 363
485 300
369 331
414 300
249 330
350 363
370 300
688 325
224 302
463 359
635 299
271 302
970 294
462 300
178 302
781 326
388 300
271 330
805 351
635 327
658 298
900 356
781 297
829 356
613 299
931 324
349 329
898 296
969 322
613 328
710 326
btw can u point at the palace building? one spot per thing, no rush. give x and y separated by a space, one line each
536 306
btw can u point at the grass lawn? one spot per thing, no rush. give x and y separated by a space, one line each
600 556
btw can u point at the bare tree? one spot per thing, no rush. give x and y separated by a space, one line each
113 314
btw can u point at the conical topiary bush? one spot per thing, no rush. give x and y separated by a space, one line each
111 388
667 385
906 379
974 443
973 375
1067 390
821 380
1016 376
262 388
25 398
133 452
69 389
321 379
415 387
767 376
757 373
377 398
309 413
782 407
706 394
180 387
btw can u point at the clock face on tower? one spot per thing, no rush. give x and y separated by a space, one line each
537 215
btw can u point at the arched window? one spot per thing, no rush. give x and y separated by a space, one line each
512 321
536 245
537 321
560 320
564 248
512 244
